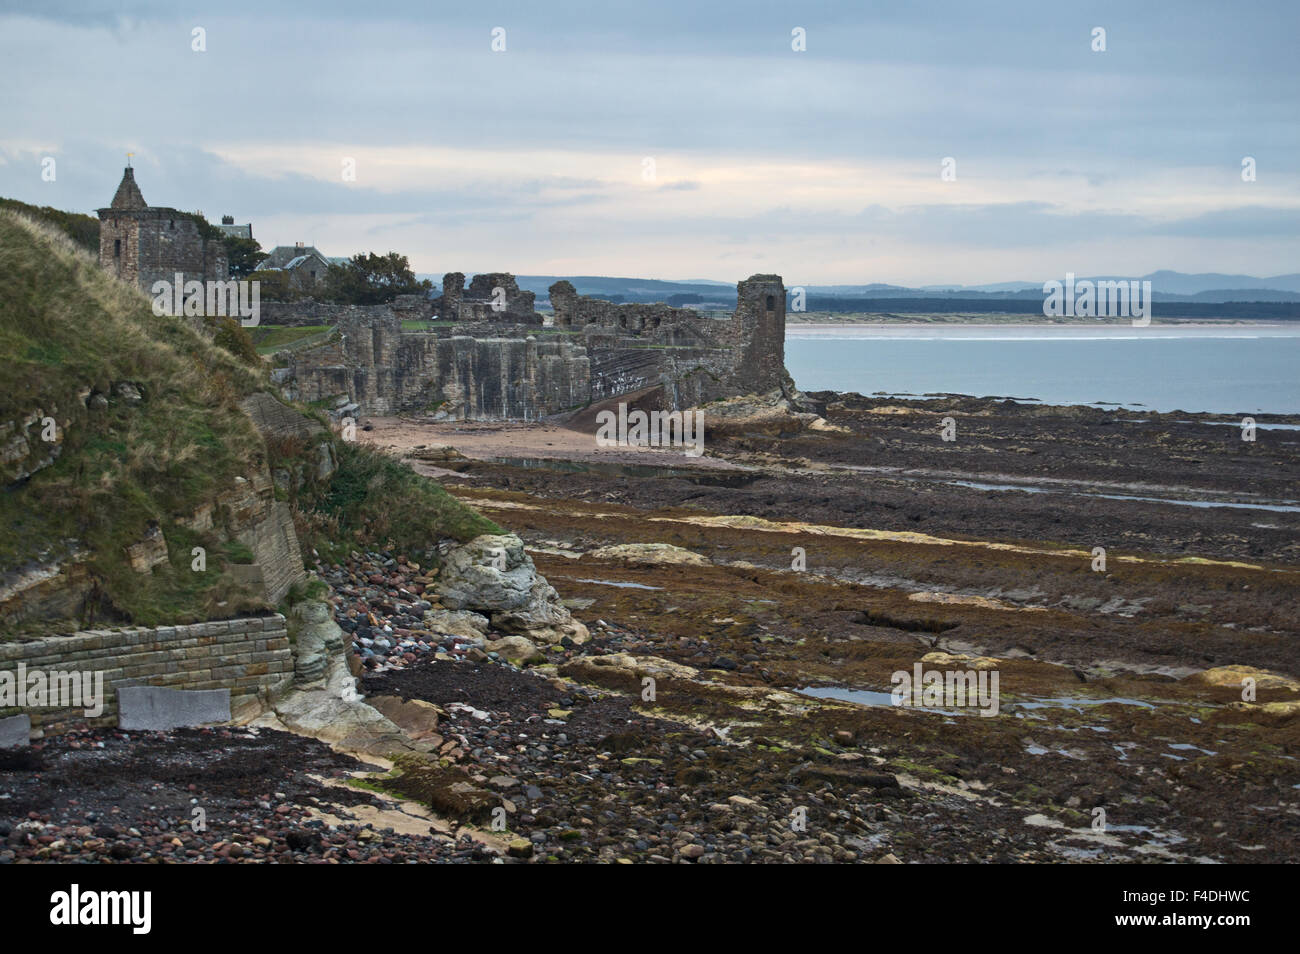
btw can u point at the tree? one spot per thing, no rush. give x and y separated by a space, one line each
370 279
243 255
274 285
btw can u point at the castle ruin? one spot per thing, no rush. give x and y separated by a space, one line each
143 244
480 352
486 355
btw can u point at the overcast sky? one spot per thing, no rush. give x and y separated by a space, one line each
822 165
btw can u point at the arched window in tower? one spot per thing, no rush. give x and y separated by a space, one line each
117 248
771 302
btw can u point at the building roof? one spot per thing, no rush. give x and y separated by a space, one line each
128 197
282 255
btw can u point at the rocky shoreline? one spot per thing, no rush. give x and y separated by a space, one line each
694 695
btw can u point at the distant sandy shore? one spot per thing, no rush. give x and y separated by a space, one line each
496 440
1155 322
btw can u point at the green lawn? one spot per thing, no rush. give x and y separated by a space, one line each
269 339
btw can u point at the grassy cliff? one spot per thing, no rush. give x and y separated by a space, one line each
121 430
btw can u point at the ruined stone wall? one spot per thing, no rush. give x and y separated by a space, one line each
491 296
470 377
758 331
489 369
246 656
697 358
156 244
510 378
453 292
577 311
295 314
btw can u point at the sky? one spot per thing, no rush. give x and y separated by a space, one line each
683 139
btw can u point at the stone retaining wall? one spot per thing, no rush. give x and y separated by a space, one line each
247 656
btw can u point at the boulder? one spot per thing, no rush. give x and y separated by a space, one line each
435 453
768 415
517 651
417 718
960 661
15 731
493 575
460 623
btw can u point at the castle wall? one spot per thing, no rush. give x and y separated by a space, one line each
156 244
465 377
119 246
494 370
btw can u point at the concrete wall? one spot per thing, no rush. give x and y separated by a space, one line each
246 656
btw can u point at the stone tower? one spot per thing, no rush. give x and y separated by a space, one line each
758 328
143 244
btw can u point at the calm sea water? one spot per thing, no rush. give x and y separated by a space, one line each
1233 370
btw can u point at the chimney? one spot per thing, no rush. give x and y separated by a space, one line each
227 220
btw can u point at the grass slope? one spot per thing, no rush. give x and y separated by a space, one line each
69 332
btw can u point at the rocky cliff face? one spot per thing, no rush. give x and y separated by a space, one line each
463 377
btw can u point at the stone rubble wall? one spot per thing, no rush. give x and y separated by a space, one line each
251 657
295 314
492 367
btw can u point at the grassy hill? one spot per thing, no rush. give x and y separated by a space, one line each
82 229
117 425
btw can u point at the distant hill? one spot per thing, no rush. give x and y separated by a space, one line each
1166 286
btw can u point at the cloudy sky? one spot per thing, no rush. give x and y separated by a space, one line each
683 138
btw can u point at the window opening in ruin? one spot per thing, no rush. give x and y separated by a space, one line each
117 248
171 224
771 302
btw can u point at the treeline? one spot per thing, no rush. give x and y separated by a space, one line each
364 279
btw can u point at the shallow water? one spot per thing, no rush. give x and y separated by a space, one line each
1225 370
978 485
623 584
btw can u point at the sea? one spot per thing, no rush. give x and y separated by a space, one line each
1237 369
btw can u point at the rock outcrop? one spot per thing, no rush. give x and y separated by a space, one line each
325 703
648 554
772 414
493 575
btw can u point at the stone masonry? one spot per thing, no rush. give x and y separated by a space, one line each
489 365
250 657
143 244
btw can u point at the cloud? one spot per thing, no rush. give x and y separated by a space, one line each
821 159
